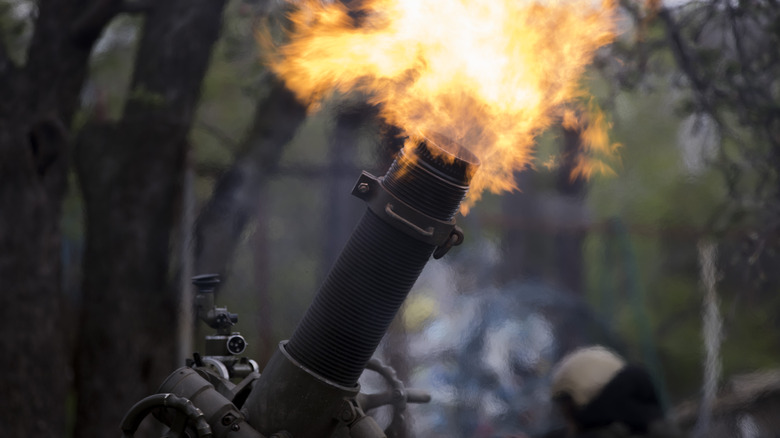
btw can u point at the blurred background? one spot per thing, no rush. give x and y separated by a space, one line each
142 144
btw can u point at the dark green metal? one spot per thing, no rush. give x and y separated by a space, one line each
298 401
225 419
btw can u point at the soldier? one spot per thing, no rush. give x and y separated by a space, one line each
601 396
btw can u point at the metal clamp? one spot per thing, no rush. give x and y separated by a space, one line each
443 235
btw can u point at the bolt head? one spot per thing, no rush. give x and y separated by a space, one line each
347 413
227 419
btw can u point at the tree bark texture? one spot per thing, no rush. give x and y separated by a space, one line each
35 369
37 104
130 173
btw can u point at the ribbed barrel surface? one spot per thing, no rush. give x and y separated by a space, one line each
377 268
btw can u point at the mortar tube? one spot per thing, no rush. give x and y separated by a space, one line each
362 293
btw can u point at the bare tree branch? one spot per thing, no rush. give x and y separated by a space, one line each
687 63
217 133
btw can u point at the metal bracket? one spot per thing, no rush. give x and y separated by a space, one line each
398 214
360 425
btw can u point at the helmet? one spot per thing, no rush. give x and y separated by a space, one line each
583 373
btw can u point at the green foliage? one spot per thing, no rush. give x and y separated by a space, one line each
659 200
747 347
675 301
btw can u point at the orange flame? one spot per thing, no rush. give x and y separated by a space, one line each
489 74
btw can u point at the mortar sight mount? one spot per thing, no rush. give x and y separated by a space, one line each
222 350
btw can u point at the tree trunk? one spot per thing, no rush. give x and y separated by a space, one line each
522 237
570 236
569 240
237 195
37 106
342 213
130 174
35 370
